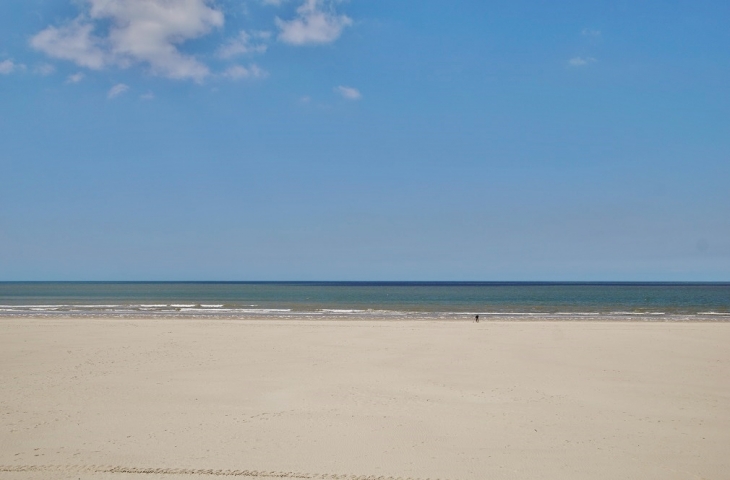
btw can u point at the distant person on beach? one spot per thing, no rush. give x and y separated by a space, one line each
476 318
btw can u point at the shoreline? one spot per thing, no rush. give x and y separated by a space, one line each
415 317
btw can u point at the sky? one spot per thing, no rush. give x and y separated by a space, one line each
364 140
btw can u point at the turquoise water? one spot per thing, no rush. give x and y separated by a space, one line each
362 299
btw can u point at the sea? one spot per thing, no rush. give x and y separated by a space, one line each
371 300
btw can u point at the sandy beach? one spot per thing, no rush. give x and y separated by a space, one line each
167 398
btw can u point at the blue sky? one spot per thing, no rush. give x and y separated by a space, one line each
364 140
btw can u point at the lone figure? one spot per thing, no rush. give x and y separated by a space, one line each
476 318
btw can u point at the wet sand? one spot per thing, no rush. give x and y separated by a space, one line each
172 398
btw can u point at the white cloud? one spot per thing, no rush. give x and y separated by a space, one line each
581 61
147 32
591 32
7 67
123 33
45 69
237 72
117 90
314 24
147 96
243 44
75 78
73 41
349 92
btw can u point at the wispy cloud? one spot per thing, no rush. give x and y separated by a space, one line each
348 92
117 90
44 69
315 23
147 32
244 43
591 32
238 72
75 78
147 96
581 61
9 66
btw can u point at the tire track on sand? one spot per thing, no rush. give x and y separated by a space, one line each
193 471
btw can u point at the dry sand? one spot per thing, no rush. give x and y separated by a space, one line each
132 399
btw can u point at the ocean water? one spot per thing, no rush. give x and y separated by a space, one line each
405 300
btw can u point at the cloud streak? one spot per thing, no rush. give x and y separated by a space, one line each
238 72
44 69
590 32
581 61
348 93
117 90
75 78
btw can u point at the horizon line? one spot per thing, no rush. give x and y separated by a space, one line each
395 282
